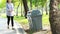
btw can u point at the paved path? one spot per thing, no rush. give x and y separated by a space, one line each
4 30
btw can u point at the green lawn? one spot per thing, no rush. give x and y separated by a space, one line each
22 20
45 20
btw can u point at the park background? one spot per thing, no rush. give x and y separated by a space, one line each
42 5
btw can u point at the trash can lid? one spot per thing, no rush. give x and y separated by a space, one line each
35 13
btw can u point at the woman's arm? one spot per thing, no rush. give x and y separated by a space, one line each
8 8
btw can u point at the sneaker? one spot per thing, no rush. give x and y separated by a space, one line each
8 27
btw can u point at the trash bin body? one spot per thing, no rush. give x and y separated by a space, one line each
35 20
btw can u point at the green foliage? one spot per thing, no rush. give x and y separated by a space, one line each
16 2
3 3
38 2
42 2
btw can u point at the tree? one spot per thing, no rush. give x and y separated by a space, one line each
16 4
17 8
46 9
30 4
54 17
25 7
42 4
47 6
2 4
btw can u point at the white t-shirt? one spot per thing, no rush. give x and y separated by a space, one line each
9 6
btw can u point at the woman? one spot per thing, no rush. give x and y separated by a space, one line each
9 13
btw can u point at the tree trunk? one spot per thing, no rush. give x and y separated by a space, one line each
25 7
17 8
21 9
42 9
54 17
46 9
30 4
36 1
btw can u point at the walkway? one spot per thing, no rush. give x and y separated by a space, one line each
4 30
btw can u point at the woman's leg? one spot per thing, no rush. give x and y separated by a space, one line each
12 21
8 20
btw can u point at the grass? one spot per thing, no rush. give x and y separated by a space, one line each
19 19
45 19
22 20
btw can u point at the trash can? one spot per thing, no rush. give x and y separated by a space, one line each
35 20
